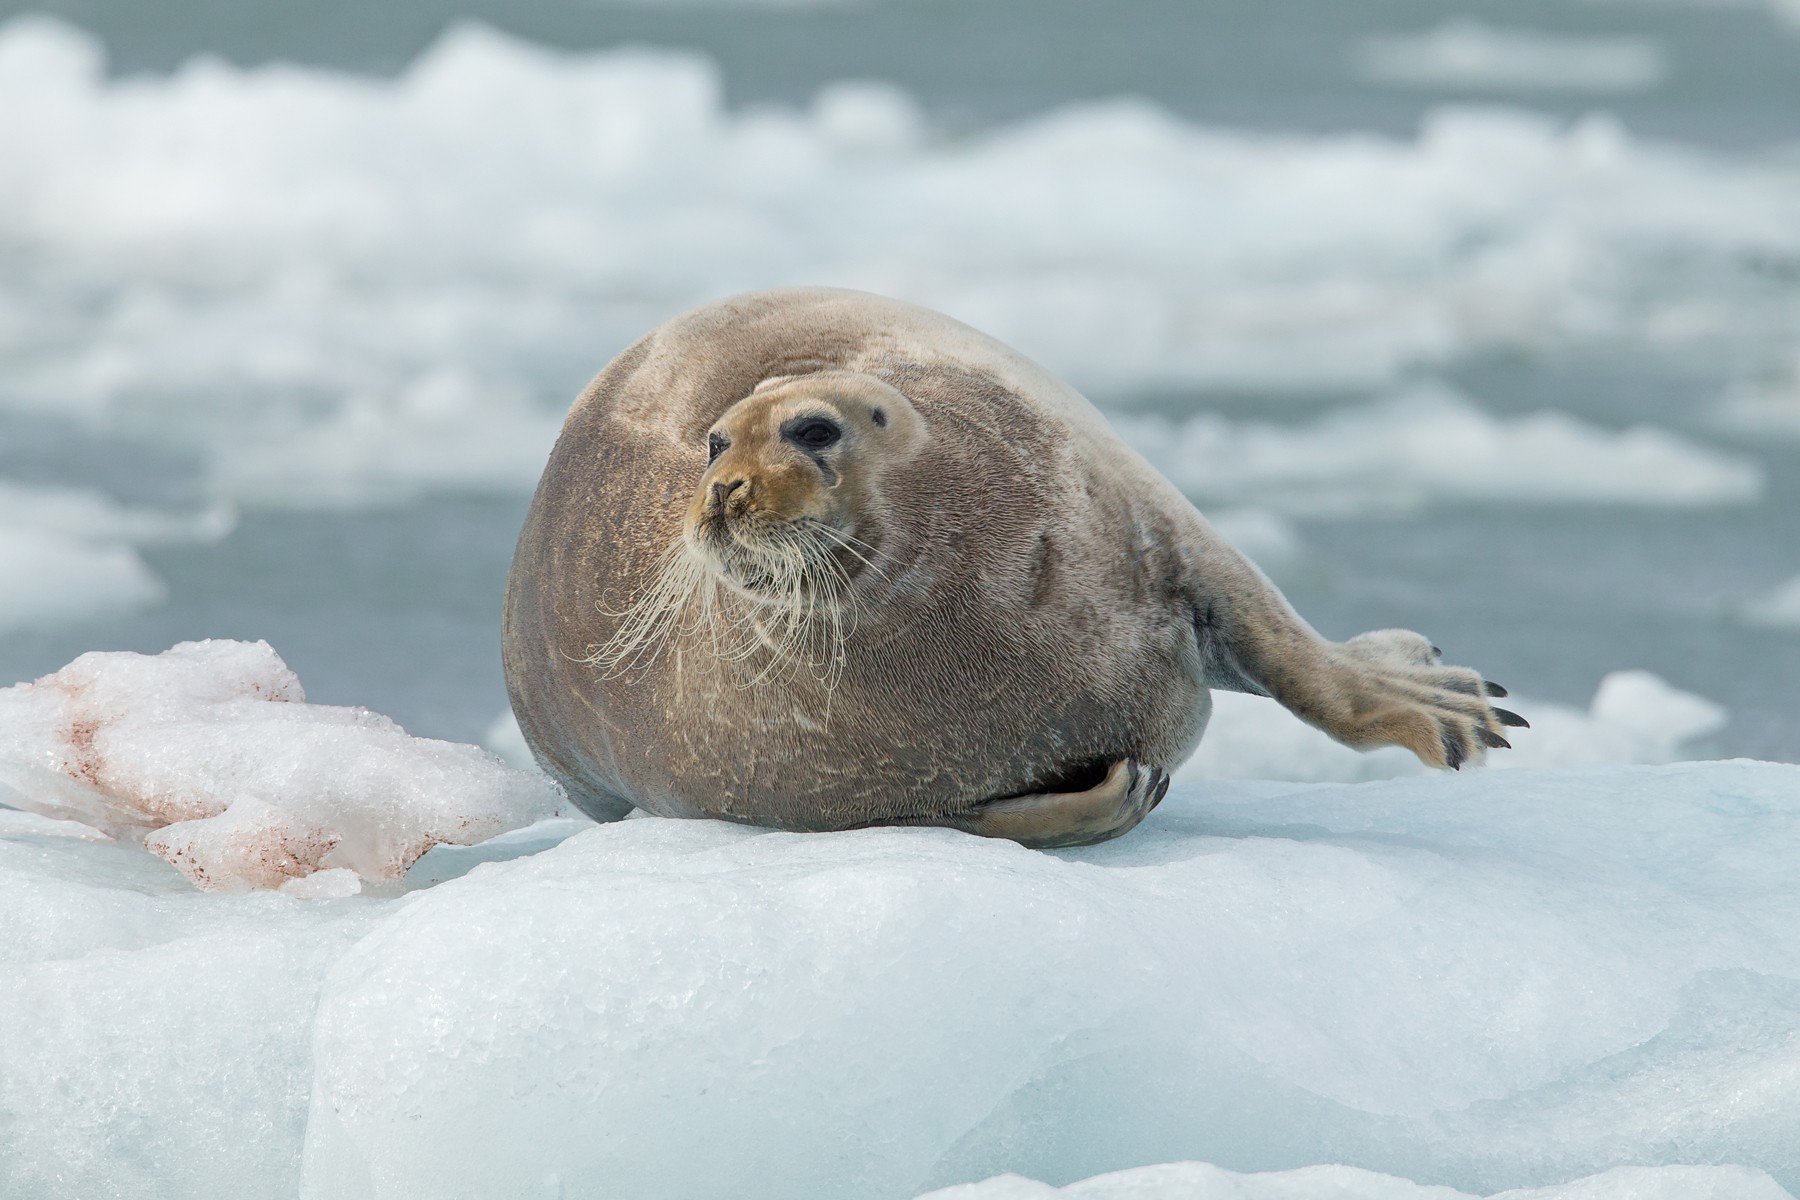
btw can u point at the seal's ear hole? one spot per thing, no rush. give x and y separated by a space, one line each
716 444
879 417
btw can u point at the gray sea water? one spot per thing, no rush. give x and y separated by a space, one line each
394 604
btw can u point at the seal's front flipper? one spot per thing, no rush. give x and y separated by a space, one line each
1392 689
1043 820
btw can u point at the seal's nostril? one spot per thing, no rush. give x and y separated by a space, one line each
721 490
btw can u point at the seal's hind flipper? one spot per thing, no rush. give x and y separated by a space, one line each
1122 798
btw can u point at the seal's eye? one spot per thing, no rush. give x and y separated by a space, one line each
716 444
813 433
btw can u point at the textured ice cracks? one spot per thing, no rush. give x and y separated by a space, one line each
210 756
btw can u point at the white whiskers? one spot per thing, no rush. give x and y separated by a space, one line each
791 610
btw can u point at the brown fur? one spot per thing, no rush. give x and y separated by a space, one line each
1028 601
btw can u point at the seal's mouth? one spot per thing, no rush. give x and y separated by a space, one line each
769 558
760 593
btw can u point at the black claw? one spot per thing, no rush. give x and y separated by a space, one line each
1494 689
1511 718
1453 752
1436 653
1494 740
1162 789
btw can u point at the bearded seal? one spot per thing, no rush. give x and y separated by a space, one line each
815 559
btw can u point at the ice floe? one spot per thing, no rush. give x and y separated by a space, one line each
1491 980
340 288
1482 981
1465 53
209 756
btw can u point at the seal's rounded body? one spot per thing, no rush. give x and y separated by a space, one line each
1021 601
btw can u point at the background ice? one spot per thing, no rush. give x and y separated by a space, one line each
68 554
306 250
209 756
48 578
1634 718
1486 980
1431 444
1765 406
1417 330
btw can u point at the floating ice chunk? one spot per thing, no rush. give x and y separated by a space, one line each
66 553
442 431
52 579
1779 608
209 755
95 517
1434 445
1635 717
865 117
1202 1181
44 59
1463 53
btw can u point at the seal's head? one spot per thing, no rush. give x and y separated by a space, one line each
790 511
794 476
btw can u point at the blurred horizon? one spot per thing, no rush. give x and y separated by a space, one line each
1723 72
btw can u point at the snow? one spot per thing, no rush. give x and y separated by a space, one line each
1464 53
1434 445
344 290
1202 1181
1635 717
209 756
